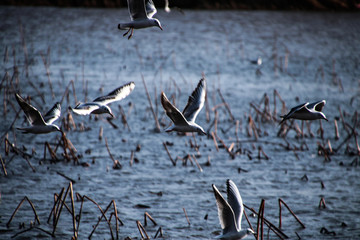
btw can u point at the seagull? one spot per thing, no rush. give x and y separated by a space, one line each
306 111
141 15
39 124
185 121
99 105
230 213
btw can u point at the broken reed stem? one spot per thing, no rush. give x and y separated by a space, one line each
151 107
159 232
3 166
292 213
47 74
18 207
226 106
273 228
116 163
116 219
260 220
187 219
168 153
147 215
73 209
215 142
142 230
322 204
197 164
66 177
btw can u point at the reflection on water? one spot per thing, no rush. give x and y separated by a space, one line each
305 57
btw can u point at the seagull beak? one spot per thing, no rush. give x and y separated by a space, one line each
112 115
161 28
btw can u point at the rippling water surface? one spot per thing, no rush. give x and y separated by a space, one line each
306 57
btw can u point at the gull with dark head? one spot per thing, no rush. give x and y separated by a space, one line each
306 111
99 105
141 15
39 124
185 121
230 213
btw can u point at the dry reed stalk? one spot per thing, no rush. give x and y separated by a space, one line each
151 107
123 119
47 74
142 230
73 211
18 207
147 215
226 105
168 153
186 216
260 220
131 158
3 166
196 162
66 177
248 221
102 216
117 164
23 42
56 206
215 142
159 232
52 153
271 226
337 136
322 204
343 121
292 213
101 131
31 228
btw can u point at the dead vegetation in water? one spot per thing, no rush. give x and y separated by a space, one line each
68 204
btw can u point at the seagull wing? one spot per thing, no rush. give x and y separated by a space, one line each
293 110
137 9
32 114
235 202
85 108
226 214
317 106
195 102
53 114
150 8
117 94
173 113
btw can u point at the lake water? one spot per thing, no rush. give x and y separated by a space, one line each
306 56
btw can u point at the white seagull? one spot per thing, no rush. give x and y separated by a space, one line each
306 111
141 15
230 213
39 124
99 105
185 121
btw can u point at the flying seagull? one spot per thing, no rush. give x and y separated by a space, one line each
39 124
99 105
185 121
230 213
141 15
306 111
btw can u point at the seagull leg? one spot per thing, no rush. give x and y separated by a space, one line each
126 32
132 32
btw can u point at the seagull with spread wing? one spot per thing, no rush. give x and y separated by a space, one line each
306 111
185 121
141 14
230 213
99 105
39 124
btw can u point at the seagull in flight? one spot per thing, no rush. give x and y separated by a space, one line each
306 111
185 121
39 124
141 15
99 105
230 213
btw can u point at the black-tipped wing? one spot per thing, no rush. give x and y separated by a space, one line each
226 214
137 9
195 102
298 108
116 95
235 202
53 114
172 112
32 114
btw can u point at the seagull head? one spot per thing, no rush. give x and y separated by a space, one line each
157 23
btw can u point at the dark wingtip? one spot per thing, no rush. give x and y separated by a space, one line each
119 26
